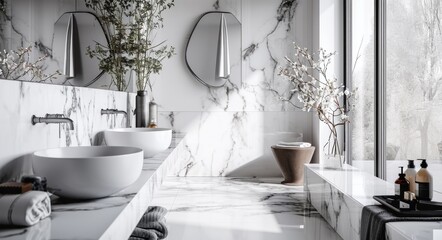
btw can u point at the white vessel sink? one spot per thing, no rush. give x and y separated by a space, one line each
151 140
88 172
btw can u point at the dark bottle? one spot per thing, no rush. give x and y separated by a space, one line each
401 185
424 183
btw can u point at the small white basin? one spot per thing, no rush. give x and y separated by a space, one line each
88 172
151 140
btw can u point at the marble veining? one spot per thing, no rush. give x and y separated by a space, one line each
230 129
256 95
7 24
338 209
20 100
340 194
247 115
113 217
232 143
216 5
239 208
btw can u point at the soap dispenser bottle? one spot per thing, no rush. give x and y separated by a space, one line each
401 185
153 115
424 183
410 175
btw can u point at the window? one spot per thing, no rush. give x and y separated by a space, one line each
412 52
362 78
413 83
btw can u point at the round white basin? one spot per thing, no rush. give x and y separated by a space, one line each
88 172
151 140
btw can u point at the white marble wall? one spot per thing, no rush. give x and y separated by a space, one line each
20 100
233 143
229 130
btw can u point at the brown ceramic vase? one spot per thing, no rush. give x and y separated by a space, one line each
291 160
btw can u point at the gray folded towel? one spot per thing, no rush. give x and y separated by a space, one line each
152 225
374 218
155 213
145 234
158 227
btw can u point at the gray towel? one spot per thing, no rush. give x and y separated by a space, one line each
375 217
158 227
152 225
143 234
153 214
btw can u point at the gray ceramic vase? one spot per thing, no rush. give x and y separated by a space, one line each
141 109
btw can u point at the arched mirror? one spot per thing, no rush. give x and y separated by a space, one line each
213 53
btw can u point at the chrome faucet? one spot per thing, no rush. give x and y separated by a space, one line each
53 118
113 111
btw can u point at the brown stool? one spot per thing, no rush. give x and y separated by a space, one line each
291 160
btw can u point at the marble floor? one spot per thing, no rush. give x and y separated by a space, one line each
239 208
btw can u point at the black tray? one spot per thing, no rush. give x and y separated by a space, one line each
427 208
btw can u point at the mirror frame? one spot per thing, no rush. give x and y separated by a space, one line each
107 41
187 46
93 80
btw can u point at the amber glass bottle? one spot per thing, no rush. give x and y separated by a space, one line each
424 183
401 185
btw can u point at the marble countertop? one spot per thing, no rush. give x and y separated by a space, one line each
358 184
113 217
360 187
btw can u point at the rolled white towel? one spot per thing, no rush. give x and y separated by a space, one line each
24 209
294 144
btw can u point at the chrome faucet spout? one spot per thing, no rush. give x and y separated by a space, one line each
53 118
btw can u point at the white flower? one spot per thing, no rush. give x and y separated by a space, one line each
315 89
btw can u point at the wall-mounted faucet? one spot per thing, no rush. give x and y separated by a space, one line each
54 118
113 111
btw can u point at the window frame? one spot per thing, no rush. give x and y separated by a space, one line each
379 160
380 16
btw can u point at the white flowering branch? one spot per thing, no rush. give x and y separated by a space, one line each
316 90
16 64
